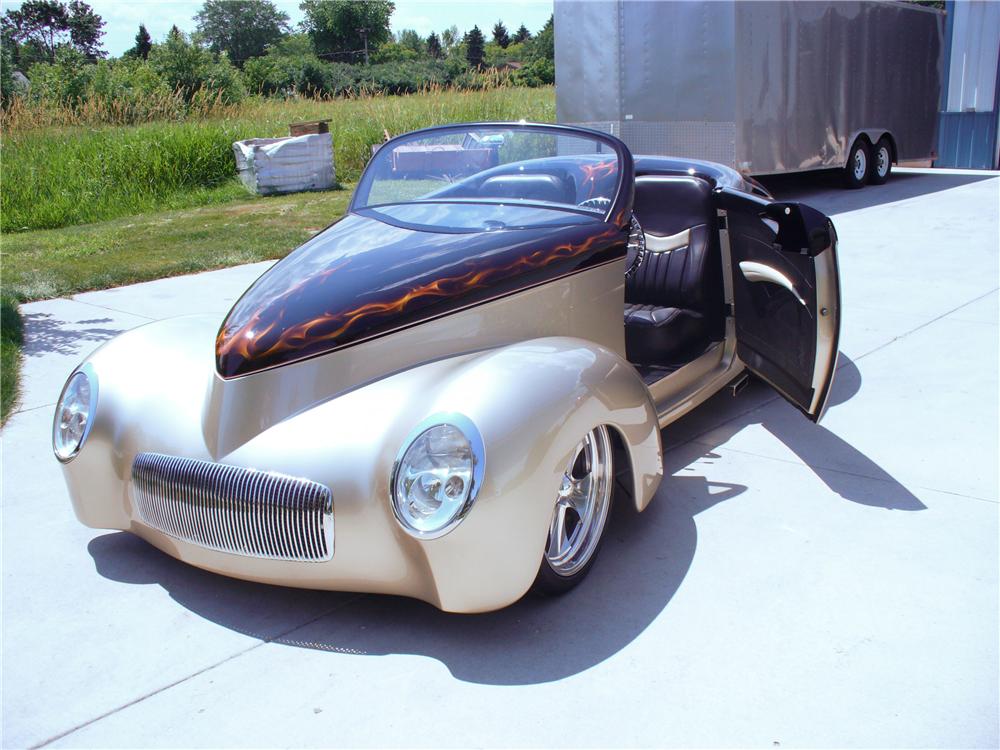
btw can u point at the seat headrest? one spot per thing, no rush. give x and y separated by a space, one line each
667 204
527 186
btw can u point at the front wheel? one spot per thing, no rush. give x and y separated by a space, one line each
858 165
882 162
580 514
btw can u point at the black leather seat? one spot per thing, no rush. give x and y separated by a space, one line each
673 300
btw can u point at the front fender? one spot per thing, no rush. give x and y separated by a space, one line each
533 402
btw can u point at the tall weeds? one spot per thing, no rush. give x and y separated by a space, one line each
64 166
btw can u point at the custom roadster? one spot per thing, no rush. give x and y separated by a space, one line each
441 394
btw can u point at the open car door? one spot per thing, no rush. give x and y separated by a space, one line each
786 294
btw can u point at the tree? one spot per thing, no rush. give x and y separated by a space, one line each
434 46
241 28
410 39
449 38
544 43
41 26
174 33
143 44
85 30
6 75
347 29
474 42
521 35
500 35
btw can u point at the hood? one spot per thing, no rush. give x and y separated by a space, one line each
377 271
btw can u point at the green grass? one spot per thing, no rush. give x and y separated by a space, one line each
57 262
62 176
11 338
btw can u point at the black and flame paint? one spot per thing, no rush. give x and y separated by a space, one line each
364 278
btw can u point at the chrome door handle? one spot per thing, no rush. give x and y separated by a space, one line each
760 272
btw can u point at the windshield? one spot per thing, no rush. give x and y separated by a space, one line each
495 164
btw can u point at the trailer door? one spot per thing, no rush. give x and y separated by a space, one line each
785 294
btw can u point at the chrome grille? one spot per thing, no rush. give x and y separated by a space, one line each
232 509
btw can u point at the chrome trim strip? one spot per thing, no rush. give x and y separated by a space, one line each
760 272
656 243
233 509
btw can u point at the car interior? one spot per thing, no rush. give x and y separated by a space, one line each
674 302
674 299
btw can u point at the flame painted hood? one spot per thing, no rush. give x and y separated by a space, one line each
374 272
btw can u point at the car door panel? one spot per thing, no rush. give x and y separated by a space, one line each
785 294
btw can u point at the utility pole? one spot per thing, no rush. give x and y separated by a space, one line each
364 35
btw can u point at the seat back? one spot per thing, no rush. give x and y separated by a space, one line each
689 274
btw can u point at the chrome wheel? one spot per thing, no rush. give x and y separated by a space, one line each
581 505
882 161
860 164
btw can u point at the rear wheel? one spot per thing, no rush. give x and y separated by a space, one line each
580 514
881 162
858 165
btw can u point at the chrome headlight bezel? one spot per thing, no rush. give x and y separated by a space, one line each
85 371
478 454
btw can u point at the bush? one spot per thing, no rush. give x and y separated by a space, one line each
128 78
11 338
403 77
261 76
541 72
307 75
192 70
394 52
222 83
63 82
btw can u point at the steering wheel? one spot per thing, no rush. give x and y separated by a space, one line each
636 247
598 202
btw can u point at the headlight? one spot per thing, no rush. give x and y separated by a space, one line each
437 475
74 413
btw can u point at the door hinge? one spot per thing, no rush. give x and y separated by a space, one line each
737 386
730 310
723 224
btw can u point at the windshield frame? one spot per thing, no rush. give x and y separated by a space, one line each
616 213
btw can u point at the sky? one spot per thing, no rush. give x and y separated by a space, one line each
122 19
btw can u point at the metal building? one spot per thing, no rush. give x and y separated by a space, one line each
970 116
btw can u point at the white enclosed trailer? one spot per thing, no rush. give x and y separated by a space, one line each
763 87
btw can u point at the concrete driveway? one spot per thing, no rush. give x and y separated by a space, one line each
792 584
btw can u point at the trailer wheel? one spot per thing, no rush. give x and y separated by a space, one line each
858 168
881 162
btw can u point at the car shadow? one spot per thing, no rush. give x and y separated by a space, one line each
824 191
845 470
644 560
